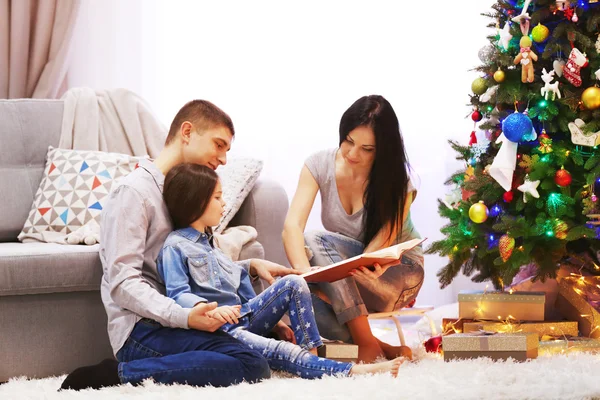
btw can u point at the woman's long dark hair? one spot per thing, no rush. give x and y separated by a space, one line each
385 193
187 192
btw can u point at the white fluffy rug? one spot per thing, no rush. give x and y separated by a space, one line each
575 376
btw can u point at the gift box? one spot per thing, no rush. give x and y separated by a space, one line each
578 300
454 325
339 351
556 328
520 306
497 346
569 344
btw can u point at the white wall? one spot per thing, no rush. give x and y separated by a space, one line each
286 71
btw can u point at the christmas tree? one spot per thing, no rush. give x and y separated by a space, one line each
528 193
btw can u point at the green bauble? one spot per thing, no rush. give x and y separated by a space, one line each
479 86
540 33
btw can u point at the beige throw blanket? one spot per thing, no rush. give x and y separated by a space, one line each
116 120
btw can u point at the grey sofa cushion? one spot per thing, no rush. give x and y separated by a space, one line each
33 268
24 143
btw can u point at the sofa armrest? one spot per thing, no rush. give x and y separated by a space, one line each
265 209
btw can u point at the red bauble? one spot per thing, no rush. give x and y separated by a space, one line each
476 116
562 177
433 344
508 196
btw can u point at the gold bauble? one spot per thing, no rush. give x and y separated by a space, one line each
591 98
499 76
478 212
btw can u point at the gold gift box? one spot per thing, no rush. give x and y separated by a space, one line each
339 351
497 346
521 306
558 328
572 304
573 344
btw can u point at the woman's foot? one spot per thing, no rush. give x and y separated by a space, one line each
378 368
368 353
392 352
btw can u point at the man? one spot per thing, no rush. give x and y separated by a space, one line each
151 335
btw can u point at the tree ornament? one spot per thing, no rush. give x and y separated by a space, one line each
433 344
478 212
505 36
540 33
548 86
529 187
581 139
591 98
479 86
473 139
562 177
495 211
572 71
526 57
545 143
485 53
499 76
560 229
508 196
558 65
516 125
506 245
476 116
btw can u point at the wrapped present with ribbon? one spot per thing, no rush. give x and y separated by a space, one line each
552 328
568 344
520 306
579 299
497 346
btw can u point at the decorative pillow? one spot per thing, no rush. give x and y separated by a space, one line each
72 192
238 177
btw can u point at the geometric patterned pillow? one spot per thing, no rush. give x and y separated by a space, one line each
73 190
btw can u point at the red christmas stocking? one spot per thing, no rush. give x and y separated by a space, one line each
572 71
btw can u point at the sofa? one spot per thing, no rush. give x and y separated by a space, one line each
51 316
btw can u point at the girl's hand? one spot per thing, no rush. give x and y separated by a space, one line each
226 314
365 274
284 332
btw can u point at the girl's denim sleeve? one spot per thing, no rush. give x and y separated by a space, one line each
176 276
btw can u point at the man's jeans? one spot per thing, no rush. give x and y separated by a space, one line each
288 294
170 355
398 286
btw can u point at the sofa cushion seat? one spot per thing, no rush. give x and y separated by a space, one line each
33 268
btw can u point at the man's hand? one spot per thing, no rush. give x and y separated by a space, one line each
268 270
284 332
365 274
226 314
199 320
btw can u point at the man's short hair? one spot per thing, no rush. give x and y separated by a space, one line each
203 115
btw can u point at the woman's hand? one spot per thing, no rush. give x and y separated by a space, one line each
364 274
284 332
226 314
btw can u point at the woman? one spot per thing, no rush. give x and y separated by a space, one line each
366 195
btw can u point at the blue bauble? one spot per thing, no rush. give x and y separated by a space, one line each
515 126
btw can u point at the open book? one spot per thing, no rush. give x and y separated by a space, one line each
340 270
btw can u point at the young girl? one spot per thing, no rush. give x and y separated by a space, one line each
194 271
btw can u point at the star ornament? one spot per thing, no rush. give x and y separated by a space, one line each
505 36
529 187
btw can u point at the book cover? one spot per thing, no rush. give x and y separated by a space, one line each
340 270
